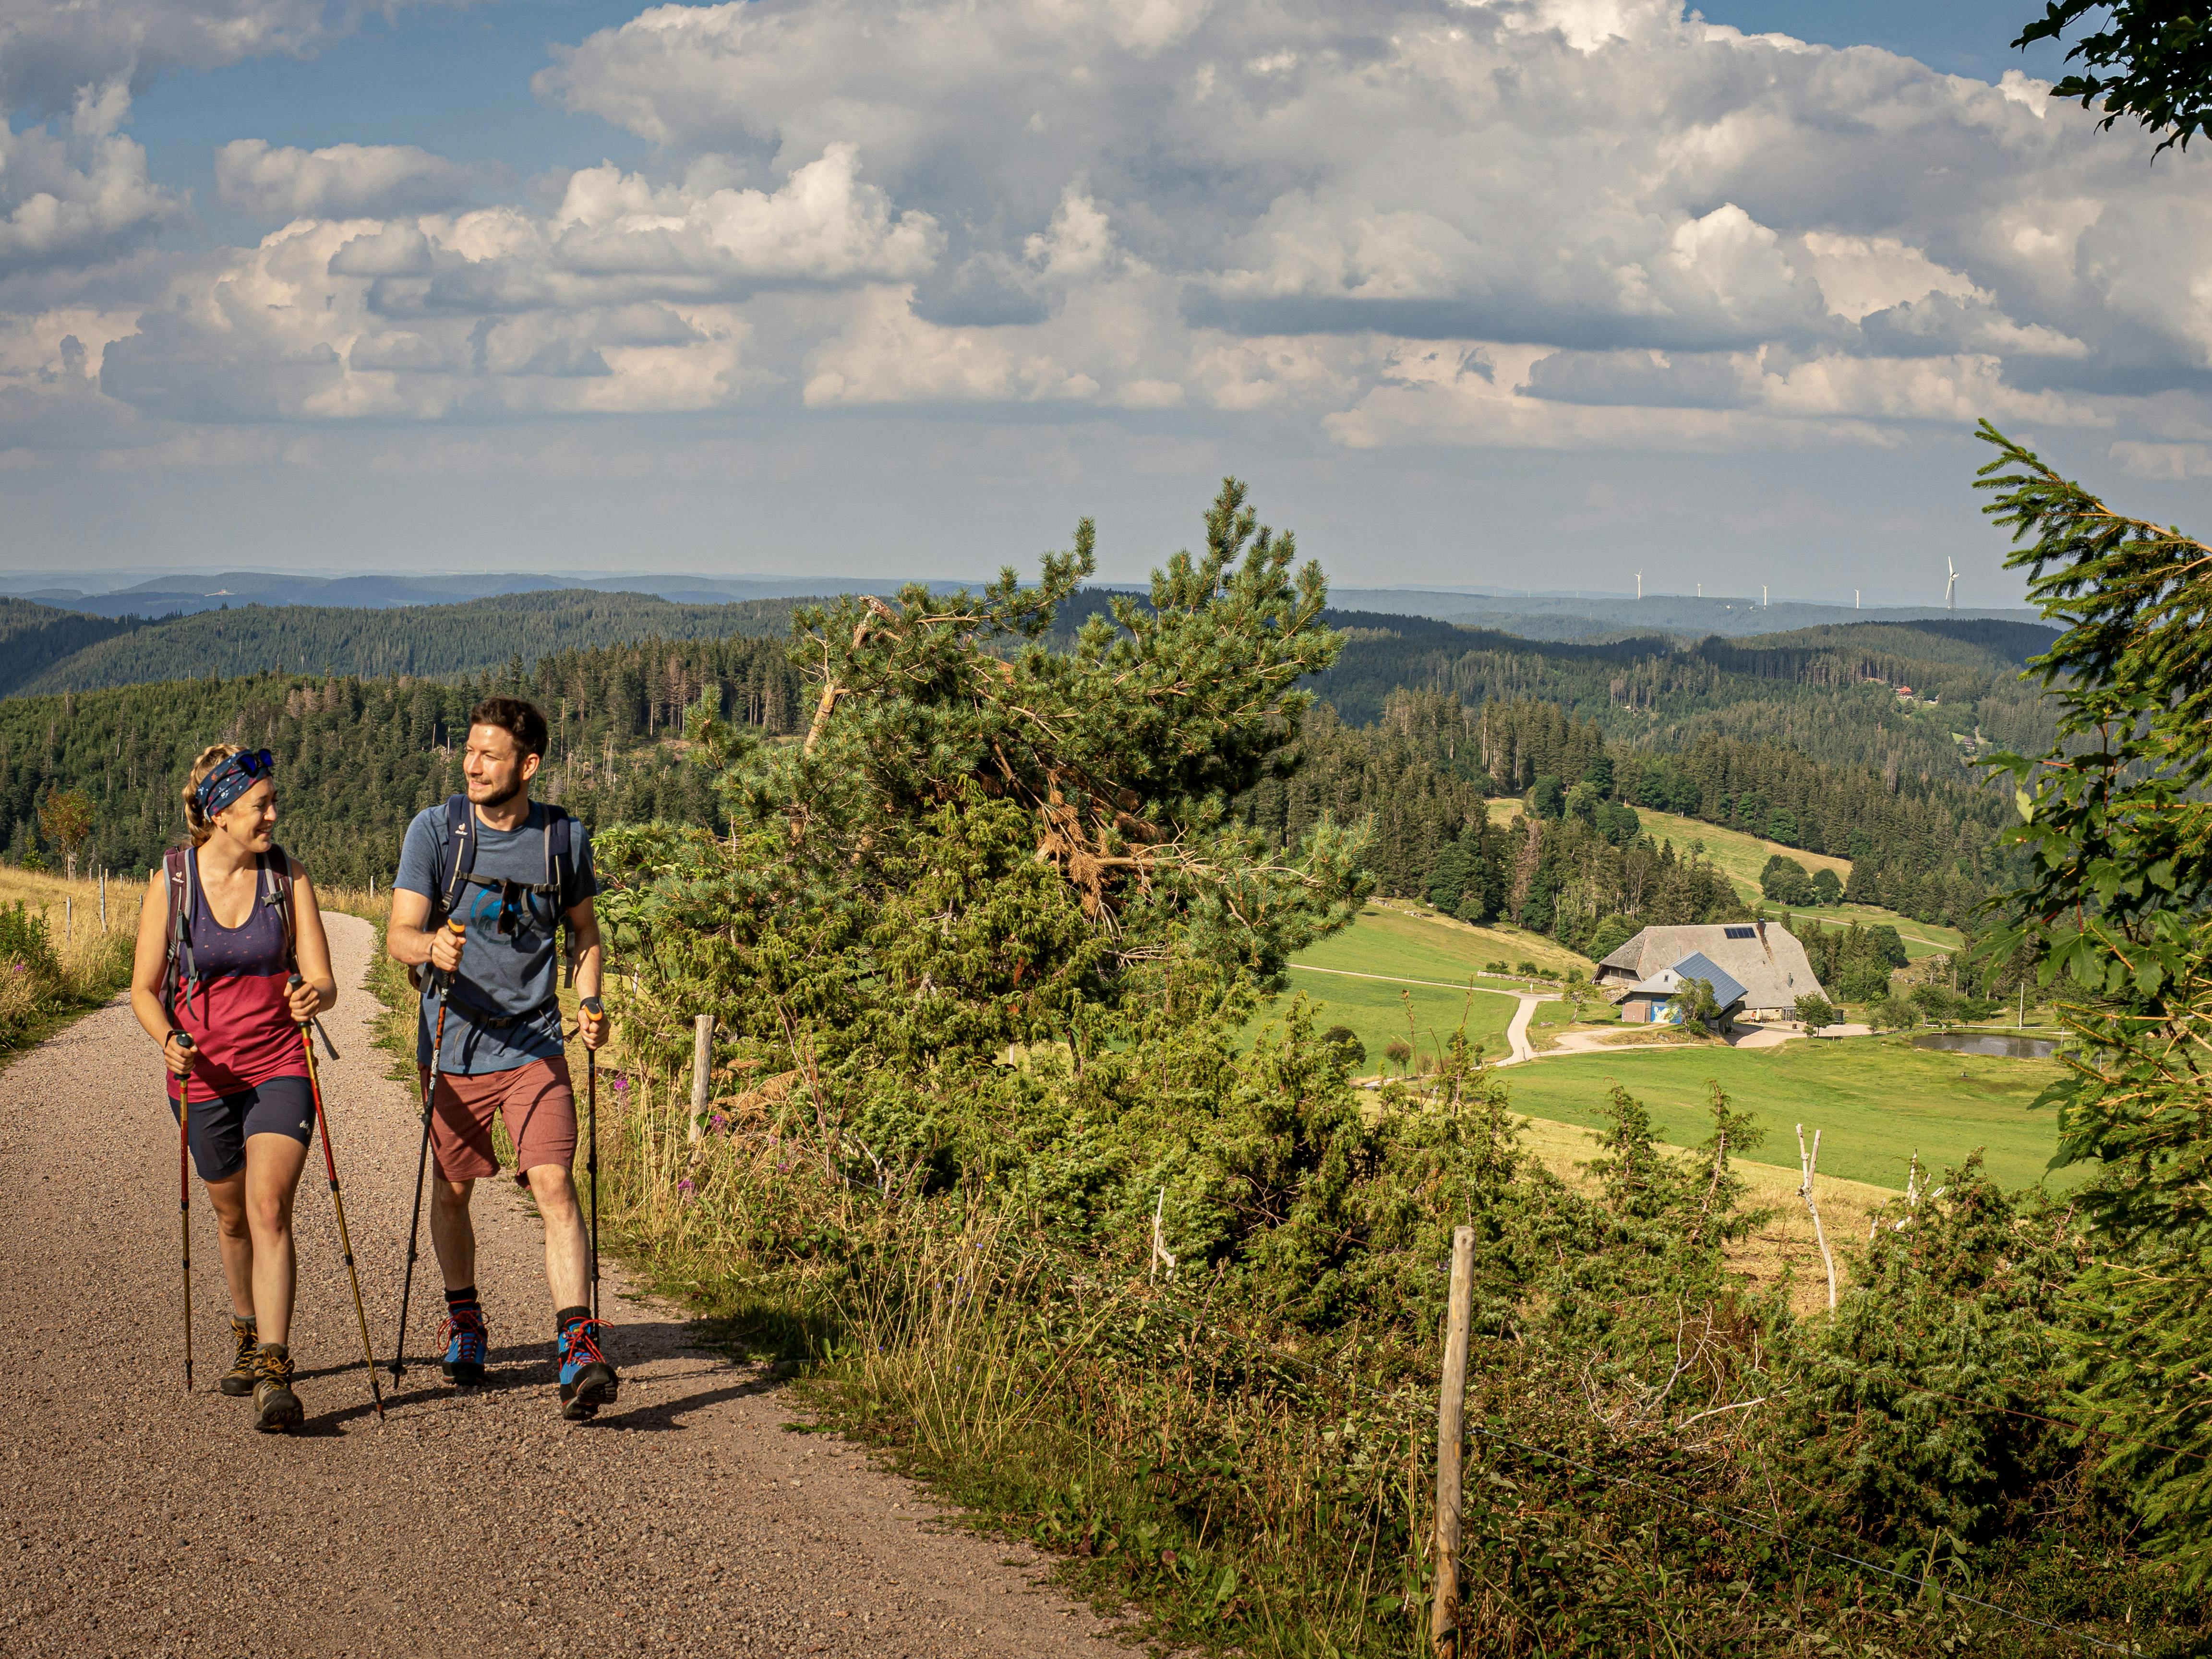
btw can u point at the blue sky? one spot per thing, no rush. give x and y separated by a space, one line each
791 287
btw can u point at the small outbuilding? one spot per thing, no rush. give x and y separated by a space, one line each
1652 1002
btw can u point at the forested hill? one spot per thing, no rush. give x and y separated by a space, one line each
34 638
1922 844
357 758
301 639
1838 694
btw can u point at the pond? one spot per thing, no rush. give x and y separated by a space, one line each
1991 1043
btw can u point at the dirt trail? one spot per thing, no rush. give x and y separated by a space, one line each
141 1521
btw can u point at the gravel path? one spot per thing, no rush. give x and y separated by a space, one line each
140 1521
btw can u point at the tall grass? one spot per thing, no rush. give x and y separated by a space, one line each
1236 1490
58 958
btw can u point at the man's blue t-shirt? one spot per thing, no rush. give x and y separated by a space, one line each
510 964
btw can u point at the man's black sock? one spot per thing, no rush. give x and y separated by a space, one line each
466 1297
569 1317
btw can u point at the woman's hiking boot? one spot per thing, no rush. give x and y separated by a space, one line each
238 1381
587 1381
276 1408
468 1341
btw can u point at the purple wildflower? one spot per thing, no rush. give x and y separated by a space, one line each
685 1185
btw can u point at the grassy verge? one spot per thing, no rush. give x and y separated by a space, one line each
56 960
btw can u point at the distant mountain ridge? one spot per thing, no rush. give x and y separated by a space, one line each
47 650
1578 615
169 596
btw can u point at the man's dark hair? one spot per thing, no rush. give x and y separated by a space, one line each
523 721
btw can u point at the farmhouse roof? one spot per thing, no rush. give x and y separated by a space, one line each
1697 965
1765 960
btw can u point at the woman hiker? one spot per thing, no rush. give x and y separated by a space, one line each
246 922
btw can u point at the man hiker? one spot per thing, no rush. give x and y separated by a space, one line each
512 871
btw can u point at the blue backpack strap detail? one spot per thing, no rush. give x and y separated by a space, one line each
460 845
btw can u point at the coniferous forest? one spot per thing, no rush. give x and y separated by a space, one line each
1804 739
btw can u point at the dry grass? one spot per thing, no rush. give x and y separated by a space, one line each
1783 1244
357 902
72 911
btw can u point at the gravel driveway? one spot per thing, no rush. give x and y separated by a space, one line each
140 1521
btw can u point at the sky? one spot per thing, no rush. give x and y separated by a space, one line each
1531 293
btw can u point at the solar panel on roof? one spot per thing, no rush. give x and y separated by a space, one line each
1740 933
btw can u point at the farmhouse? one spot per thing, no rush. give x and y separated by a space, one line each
1766 965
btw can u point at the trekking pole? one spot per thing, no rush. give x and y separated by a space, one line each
185 1197
308 1029
594 1007
422 1165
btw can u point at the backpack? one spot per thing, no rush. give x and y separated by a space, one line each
181 970
458 844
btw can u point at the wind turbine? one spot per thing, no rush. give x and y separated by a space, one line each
1640 586
1951 588
1762 596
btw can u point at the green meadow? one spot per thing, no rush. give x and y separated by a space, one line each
1876 1100
1365 977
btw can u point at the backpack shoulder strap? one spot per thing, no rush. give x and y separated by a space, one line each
277 872
561 877
459 845
178 967
560 856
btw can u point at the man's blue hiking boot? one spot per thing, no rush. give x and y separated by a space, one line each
587 1381
467 1343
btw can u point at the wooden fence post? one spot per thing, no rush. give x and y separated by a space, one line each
1807 1163
1451 1425
703 1066
103 898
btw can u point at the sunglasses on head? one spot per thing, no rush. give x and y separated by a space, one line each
233 777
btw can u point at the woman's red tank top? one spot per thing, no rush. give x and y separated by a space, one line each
237 1012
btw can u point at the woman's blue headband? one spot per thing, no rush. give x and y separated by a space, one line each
232 778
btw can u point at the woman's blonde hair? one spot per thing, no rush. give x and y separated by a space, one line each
201 825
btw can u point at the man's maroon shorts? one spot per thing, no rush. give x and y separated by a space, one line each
537 1102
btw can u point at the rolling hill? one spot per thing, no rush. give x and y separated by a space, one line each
430 639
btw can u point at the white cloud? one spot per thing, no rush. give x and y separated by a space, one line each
345 181
1550 224
79 197
824 225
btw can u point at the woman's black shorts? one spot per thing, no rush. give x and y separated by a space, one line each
219 1127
